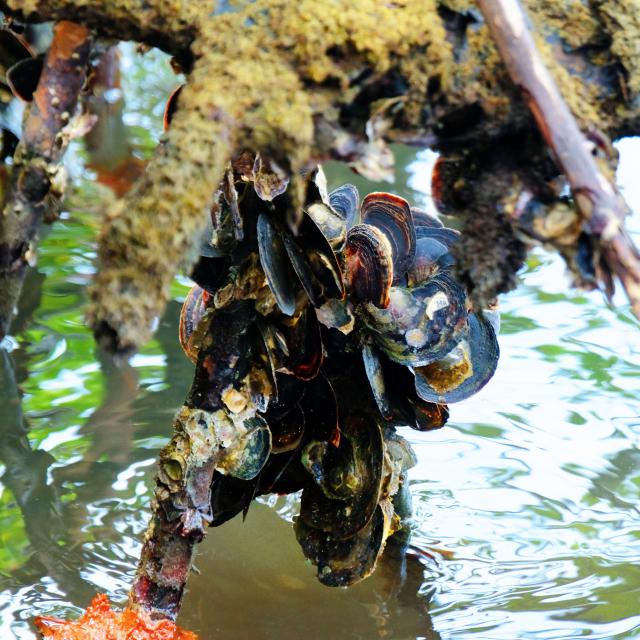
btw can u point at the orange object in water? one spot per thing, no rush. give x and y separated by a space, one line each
101 622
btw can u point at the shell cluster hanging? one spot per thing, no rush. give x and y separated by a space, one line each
358 326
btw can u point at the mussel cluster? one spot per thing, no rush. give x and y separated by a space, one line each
355 325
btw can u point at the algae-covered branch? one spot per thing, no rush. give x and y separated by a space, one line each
302 82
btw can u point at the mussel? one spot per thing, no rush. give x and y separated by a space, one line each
465 369
354 324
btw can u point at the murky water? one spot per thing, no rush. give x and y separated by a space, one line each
527 522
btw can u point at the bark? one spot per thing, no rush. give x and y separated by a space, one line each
602 208
37 178
167 24
206 432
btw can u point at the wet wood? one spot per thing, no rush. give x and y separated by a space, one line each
36 182
601 206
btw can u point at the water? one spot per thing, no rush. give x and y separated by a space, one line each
527 522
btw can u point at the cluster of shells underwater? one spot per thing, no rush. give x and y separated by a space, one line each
357 325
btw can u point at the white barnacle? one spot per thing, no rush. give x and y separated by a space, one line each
435 303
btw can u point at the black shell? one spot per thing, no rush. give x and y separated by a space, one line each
314 262
23 77
347 478
342 562
375 375
466 370
276 265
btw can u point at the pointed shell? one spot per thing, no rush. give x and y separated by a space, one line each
373 369
193 310
392 215
276 265
314 262
369 265
171 106
23 77
465 370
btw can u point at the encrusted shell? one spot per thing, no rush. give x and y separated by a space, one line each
193 310
464 370
420 325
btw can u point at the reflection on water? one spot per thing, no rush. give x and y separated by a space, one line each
531 493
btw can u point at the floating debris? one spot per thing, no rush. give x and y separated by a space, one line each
101 622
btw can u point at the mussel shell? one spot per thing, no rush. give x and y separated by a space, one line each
23 77
347 478
407 407
171 106
448 237
336 314
229 497
420 325
342 562
13 48
369 265
304 354
269 179
428 416
431 255
345 200
317 187
375 375
441 382
283 474
276 265
253 453
331 224
423 219
193 310
320 407
288 431
291 391
392 215
314 262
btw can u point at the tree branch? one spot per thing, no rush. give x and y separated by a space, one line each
36 184
601 206
170 25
